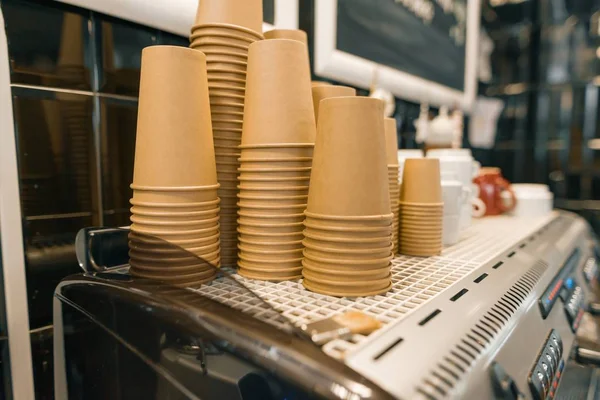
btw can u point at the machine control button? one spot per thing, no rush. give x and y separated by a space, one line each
544 376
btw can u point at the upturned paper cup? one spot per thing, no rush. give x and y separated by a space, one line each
241 13
347 232
258 263
292 34
264 162
267 237
340 262
288 228
292 274
357 254
175 207
321 92
154 223
350 129
377 221
344 292
271 207
278 75
277 150
421 182
174 144
266 246
245 217
174 244
175 195
341 244
339 283
317 272
160 216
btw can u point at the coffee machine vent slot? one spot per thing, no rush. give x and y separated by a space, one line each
466 352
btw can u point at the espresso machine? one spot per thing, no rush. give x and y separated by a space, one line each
510 312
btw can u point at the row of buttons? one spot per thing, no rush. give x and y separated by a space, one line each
574 307
544 376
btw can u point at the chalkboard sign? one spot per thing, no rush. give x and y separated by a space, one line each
421 50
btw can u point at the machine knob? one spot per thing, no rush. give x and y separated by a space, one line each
505 388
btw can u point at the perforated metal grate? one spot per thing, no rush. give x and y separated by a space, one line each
416 280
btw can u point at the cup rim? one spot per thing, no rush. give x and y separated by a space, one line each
337 239
175 223
275 179
138 203
251 268
342 272
223 87
348 283
276 145
174 188
221 70
288 243
267 216
347 229
349 261
190 232
307 285
382 217
175 214
348 251
227 26
279 159
244 249
274 188
266 207
275 169
259 225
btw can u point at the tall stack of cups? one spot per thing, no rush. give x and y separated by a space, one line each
276 159
421 208
321 92
391 146
224 31
348 226
175 203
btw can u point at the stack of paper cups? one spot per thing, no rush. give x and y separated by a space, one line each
276 160
348 233
175 215
421 208
224 31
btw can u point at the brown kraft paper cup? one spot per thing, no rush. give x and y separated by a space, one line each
174 145
350 129
242 13
326 91
421 181
278 75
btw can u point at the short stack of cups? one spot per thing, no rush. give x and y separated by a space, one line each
421 208
276 160
224 31
391 146
348 226
175 215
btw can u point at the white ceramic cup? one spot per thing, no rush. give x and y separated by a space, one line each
454 197
450 230
533 200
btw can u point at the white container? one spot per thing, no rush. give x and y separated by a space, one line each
455 197
533 200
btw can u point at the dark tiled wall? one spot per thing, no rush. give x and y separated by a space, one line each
546 69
